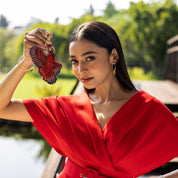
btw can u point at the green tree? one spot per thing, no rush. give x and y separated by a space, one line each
10 52
143 30
6 37
153 24
56 20
3 21
90 10
110 9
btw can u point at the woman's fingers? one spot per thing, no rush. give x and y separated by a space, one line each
30 41
37 37
39 32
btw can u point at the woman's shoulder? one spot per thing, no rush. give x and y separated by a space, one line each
145 101
71 97
151 103
56 99
147 97
75 98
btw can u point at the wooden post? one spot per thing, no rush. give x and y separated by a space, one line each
171 66
51 164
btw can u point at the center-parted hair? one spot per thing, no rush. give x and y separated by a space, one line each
104 36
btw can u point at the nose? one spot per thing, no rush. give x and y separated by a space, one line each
82 68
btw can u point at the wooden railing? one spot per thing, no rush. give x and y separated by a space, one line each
171 65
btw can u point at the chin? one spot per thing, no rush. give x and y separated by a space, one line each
89 90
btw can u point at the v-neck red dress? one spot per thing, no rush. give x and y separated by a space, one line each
141 136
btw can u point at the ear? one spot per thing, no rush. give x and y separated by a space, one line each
114 56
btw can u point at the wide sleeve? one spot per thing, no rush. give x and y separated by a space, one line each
143 136
153 137
49 119
158 141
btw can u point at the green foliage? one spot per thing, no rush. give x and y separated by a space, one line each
48 90
7 52
152 25
3 21
110 10
32 87
137 73
90 10
10 52
76 22
143 29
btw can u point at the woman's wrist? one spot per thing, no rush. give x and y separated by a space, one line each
24 68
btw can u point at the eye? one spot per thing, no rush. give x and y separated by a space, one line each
90 58
73 61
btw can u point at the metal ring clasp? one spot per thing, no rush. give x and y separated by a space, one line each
90 170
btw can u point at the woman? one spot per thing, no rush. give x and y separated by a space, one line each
111 130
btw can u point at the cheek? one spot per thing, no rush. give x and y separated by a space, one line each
75 71
103 66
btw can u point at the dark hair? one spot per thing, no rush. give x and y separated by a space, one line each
104 36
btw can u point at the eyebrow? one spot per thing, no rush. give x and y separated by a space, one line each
86 53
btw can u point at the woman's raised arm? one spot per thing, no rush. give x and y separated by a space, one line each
14 109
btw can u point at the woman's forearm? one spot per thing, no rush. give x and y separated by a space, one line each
15 109
9 83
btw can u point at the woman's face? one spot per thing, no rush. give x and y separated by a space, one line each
91 63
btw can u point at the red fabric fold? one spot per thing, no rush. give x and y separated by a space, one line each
141 136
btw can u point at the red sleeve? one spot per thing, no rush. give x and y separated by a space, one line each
49 119
160 141
151 139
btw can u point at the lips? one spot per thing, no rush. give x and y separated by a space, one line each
86 79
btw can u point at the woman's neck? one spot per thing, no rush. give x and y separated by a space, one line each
108 92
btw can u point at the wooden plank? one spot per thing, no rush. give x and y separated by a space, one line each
51 164
165 91
175 160
172 50
172 40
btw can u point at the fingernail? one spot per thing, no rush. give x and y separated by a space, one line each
45 35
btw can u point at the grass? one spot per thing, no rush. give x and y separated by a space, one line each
137 73
33 86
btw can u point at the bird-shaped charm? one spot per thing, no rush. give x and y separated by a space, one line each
44 60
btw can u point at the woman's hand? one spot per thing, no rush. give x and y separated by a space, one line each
35 37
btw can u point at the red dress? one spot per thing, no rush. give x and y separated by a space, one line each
141 136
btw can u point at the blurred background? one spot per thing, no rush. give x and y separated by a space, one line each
143 27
